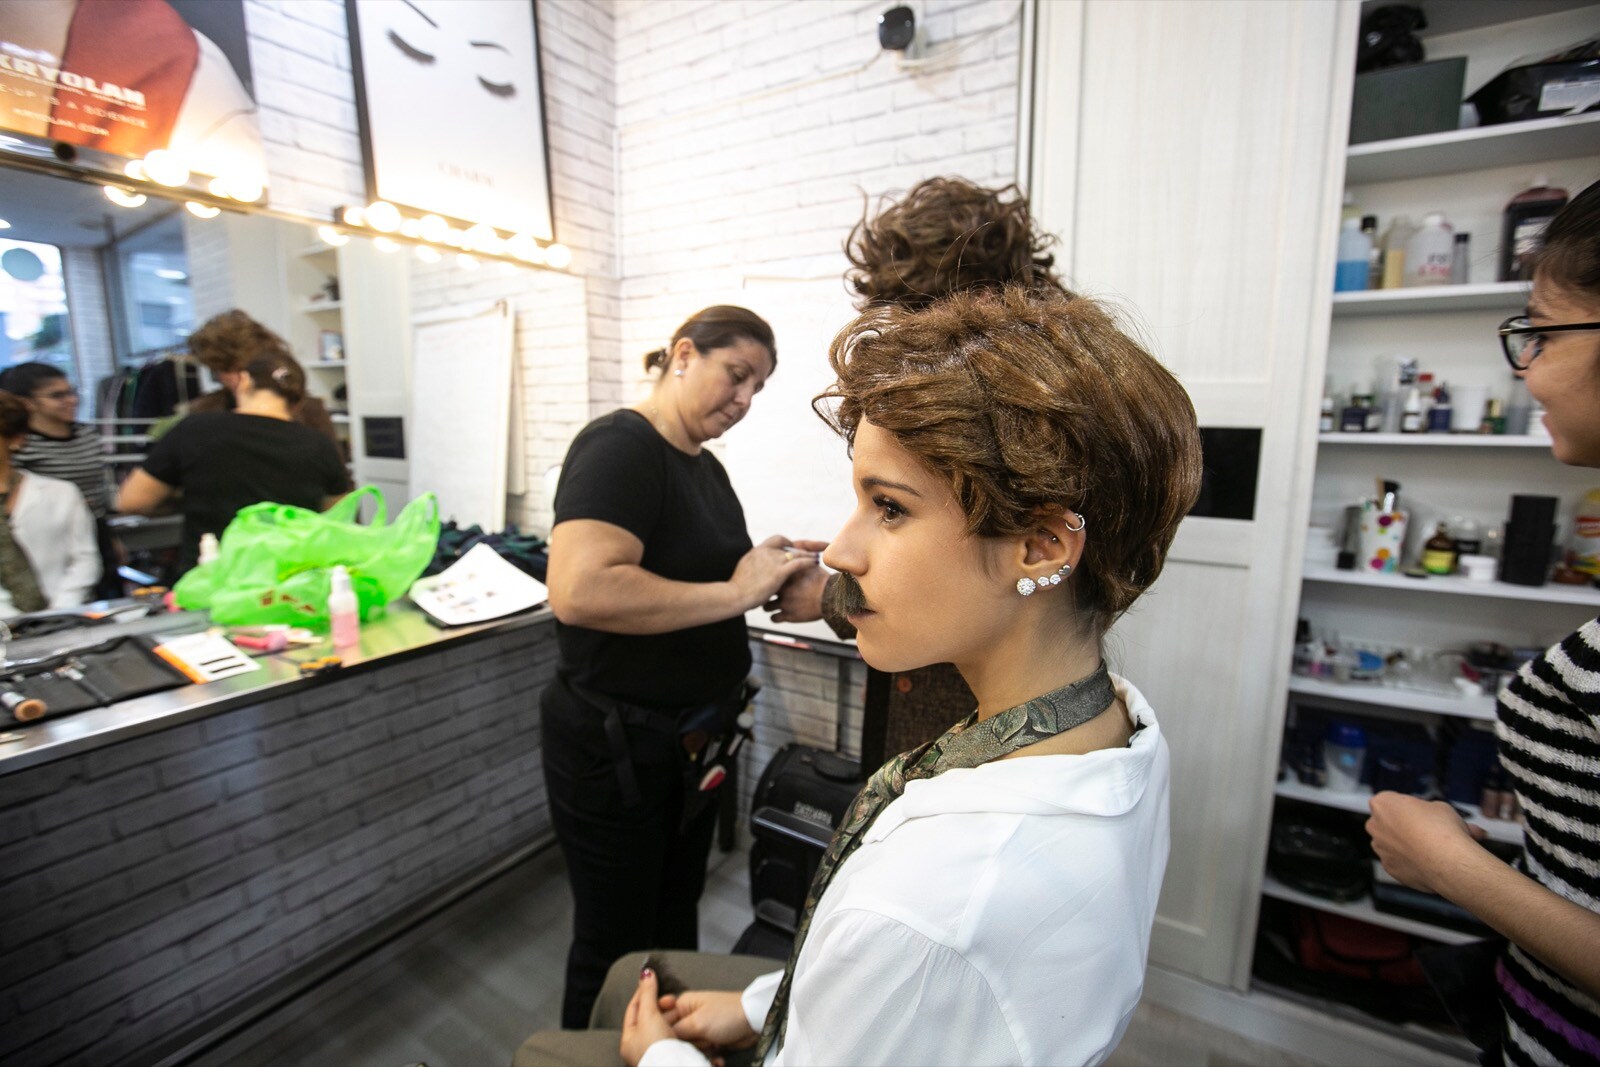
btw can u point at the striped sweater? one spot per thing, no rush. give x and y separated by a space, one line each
76 459
1549 729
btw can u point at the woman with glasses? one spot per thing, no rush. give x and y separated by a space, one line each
1547 979
59 446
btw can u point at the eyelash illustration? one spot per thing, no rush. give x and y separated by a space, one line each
410 51
497 88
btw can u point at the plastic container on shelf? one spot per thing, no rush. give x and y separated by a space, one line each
1354 263
1523 223
1344 754
1429 252
1394 251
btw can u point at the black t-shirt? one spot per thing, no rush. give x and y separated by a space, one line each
225 461
620 470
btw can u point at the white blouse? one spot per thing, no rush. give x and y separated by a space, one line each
999 914
53 526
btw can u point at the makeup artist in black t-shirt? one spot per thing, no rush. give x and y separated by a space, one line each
651 572
224 461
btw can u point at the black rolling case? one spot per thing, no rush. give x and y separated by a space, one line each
798 803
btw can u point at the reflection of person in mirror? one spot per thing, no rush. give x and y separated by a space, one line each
49 557
651 573
222 462
59 446
125 77
224 344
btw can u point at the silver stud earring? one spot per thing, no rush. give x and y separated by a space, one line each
1027 586
678 373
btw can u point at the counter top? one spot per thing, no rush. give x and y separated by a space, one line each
404 631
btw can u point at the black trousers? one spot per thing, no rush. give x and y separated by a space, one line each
636 877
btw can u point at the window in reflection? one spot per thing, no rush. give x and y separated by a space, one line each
33 307
156 309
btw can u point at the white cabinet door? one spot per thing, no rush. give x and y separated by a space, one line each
1191 156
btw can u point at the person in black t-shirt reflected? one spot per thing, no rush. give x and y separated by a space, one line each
222 462
651 572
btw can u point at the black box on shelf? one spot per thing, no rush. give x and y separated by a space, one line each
1407 101
1537 91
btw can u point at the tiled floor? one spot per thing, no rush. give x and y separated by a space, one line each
465 988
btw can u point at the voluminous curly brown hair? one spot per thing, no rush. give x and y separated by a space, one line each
948 235
1029 403
13 416
227 342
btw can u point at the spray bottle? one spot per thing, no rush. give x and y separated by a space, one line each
344 614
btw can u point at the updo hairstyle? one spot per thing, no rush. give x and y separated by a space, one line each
716 327
225 343
280 373
948 235
1028 403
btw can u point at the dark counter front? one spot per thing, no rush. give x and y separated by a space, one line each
165 870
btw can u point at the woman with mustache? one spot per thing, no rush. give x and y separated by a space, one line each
1020 467
651 573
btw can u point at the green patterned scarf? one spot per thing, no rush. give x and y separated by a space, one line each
969 743
16 573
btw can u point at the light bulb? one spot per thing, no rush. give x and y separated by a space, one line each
481 236
332 237
428 254
217 187
166 167
134 169
383 244
4 225
123 198
558 256
245 188
465 261
383 216
411 228
202 211
433 228
352 216
525 248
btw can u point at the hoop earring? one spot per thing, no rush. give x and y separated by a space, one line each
1027 586
1083 520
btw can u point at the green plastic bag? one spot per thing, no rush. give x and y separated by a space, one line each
275 561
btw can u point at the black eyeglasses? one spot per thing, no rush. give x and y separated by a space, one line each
1524 343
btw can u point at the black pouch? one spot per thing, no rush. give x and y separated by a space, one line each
104 674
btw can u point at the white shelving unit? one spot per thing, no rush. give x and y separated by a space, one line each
1361 802
1509 297
1435 440
1377 695
1550 593
310 270
1363 910
1469 174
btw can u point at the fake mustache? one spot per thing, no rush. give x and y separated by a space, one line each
844 597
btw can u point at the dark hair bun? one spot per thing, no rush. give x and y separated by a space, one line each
657 360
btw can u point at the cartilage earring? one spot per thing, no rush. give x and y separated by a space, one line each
1082 522
1027 586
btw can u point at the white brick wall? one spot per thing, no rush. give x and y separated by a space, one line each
90 323
725 173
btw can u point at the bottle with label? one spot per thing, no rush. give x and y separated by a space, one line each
1411 413
344 614
1467 535
1522 225
1441 411
1355 249
1494 417
1397 375
1369 226
1439 553
1461 260
1583 553
1428 252
1394 251
1325 419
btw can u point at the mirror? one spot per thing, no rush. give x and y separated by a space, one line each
107 295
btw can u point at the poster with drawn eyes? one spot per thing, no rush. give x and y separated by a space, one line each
452 118
134 76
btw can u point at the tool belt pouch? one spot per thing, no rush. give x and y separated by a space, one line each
697 739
